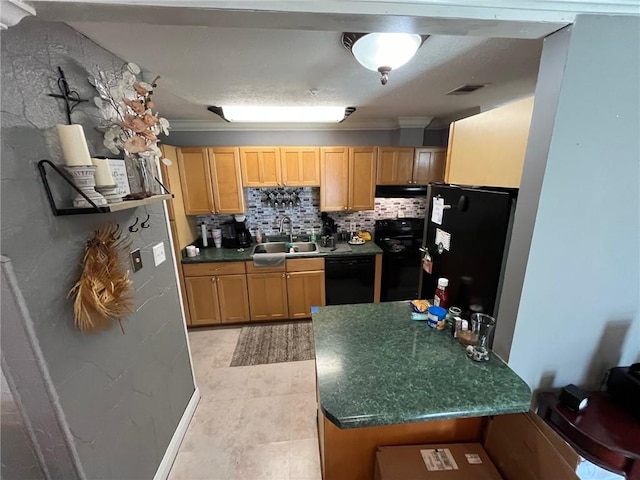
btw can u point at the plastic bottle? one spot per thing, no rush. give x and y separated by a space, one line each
313 234
441 297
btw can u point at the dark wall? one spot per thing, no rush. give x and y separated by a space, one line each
121 395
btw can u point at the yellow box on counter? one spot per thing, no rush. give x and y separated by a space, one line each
514 447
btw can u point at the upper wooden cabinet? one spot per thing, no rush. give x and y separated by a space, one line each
195 178
227 183
428 165
334 179
362 174
395 166
208 173
260 166
489 148
347 178
300 166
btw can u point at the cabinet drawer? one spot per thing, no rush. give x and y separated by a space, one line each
218 268
251 268
304 264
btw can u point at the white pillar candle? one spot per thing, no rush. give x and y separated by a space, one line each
74 145
103 172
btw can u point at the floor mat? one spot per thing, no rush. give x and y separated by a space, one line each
274 343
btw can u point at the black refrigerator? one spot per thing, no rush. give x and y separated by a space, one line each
467 233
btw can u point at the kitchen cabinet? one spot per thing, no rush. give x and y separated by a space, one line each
233 298
224 163
195 178
217 293
300 166
260 166
489 148
305 286
305 290
182 226
268 296
428 165
362 174
202 298
395 166
347 178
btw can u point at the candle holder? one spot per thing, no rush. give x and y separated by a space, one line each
110 193
83 177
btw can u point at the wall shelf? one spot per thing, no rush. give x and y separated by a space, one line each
111 207
115 207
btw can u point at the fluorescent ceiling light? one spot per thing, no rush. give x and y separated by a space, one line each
283 114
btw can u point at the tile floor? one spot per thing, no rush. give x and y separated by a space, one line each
252 423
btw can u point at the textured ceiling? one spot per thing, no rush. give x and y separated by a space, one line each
203 66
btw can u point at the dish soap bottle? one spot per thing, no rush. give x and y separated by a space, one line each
441 297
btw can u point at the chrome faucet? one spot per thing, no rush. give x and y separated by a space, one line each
284 219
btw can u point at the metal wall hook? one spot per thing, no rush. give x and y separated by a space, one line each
133 230
145 224
71 97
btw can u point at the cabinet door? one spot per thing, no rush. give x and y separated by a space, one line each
172 182
334 179
395 166
202 297
195 178
362 178
233 298
260 166
305 290
300 166
227 182
268 296
438 163
181 283
428 165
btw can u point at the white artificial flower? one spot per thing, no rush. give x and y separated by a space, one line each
133 68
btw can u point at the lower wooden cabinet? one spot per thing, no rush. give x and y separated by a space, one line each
202 297
268 296
220 293
233 298
305 290
220 298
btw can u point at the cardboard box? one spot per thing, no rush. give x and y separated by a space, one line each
514 447
454 461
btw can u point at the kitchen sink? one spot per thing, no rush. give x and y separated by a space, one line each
281 247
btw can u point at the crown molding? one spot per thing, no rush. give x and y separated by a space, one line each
13 11
207 126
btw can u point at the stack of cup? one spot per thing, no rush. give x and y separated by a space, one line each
192 251
217 237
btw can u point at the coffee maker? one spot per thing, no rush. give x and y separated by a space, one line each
235 233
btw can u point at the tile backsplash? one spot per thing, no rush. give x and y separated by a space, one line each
307 214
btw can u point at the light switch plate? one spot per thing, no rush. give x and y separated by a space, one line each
136 259
158 254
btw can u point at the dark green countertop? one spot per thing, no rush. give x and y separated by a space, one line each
209 255
376 366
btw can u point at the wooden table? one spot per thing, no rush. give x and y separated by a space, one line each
603 433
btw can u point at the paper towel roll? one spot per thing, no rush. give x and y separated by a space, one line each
74 145
103 172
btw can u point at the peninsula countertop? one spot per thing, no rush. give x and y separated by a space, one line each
376 366
212 254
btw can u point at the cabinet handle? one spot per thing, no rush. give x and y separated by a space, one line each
213 279
288 276
284 275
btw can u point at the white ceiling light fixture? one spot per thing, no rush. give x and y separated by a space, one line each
288 114
383 52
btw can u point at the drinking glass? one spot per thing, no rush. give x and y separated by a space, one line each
481 325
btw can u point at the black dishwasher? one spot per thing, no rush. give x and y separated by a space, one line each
349 279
